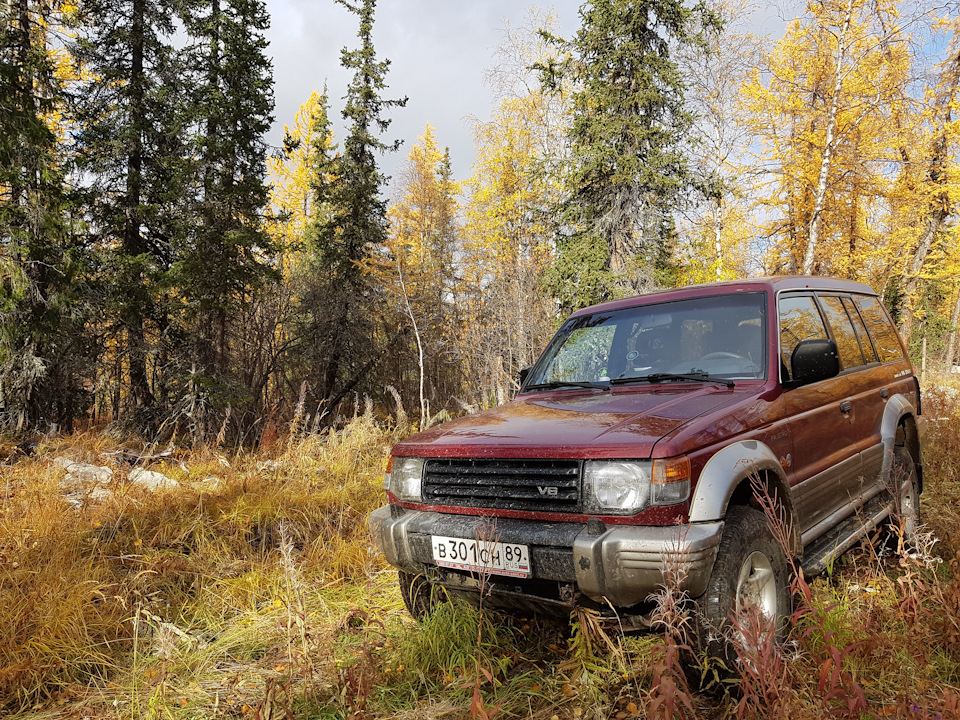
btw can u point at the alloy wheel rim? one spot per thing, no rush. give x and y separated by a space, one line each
757 585
908 508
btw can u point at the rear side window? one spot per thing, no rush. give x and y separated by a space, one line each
865 345
885 338
843 333
799 320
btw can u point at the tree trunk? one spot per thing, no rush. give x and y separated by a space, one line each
952 345
718 235
206 339
424 415
820 193
923 361
912 281
25 85
132 241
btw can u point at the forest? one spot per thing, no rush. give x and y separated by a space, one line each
168 272
208 344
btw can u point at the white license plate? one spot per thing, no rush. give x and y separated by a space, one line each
482 556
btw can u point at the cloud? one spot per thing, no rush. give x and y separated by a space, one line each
438 49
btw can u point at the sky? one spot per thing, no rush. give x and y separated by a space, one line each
438 49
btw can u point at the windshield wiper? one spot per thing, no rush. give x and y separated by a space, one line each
557 384
660 377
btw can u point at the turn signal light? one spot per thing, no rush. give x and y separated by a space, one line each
671 470
670 481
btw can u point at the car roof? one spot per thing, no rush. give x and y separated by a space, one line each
763 284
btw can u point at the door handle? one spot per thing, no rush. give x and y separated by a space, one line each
846 406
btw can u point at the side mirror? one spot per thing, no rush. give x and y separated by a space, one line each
522 375
812 361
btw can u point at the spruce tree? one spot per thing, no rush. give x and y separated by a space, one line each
222 262
627 165
131 150
324 160
352 225
45 352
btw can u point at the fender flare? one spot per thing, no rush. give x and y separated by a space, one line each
727 470
897 409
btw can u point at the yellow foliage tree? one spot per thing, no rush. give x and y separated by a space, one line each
927 188
716 233
508 229
507 249
824 119
415 267
292 174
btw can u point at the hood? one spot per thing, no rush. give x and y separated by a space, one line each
624 422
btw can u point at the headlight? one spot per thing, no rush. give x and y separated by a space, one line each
625 487
404 478
616 487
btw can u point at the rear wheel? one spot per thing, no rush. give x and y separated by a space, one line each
905 520
750 577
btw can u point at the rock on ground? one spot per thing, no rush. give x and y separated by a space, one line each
151 480
81 473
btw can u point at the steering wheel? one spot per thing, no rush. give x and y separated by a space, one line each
724 355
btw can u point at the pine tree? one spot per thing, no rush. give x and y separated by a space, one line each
628 166
222 262
44 349
131 150
345 324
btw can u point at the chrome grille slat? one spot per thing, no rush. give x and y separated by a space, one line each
521 484
475 469
503 482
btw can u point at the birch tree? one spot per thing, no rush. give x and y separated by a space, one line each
824 120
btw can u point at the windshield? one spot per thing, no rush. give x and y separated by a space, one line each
720 336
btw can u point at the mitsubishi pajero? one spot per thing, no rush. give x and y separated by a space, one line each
640 447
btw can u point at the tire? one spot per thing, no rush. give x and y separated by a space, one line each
419 595
751 569
905 518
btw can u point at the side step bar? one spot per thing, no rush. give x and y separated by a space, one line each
821 553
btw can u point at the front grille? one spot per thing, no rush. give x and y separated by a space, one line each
541 485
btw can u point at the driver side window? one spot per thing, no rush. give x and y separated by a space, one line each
799 320
584 357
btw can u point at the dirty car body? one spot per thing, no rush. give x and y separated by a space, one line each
644 423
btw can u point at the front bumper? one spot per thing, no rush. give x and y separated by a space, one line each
621 565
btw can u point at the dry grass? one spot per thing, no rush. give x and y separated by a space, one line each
258 595
195 576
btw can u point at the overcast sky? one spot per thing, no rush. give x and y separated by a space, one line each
438 51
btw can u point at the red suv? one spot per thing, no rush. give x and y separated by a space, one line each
641 443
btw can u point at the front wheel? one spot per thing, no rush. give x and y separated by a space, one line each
419 595
750 576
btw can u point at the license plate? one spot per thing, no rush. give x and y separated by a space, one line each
482 556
